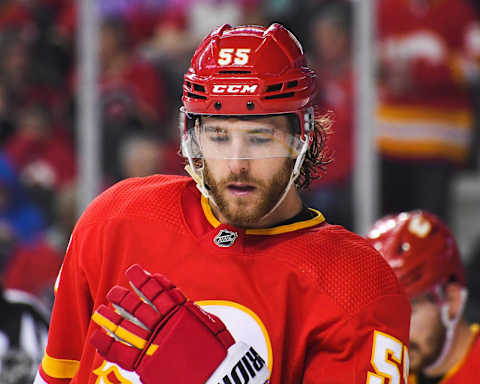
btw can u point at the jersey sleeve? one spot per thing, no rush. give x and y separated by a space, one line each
367 347
71 313
357 316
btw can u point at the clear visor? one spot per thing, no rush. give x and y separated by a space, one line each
215 142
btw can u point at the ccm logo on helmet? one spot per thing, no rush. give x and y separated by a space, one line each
234 88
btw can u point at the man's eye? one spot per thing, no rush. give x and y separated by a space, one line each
260 139
218 138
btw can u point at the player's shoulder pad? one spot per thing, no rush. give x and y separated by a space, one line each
151 197
345 267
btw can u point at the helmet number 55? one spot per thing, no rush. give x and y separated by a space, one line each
239 56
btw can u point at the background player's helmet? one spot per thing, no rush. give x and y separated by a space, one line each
250 70
421 250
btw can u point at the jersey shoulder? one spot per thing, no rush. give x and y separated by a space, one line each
154 197
344 266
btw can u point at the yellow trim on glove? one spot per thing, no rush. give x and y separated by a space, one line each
122 333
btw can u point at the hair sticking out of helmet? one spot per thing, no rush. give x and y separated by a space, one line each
421 250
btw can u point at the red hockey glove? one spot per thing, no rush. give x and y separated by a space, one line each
166 338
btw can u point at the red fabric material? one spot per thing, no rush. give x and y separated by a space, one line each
320 292
56 152
470 368
14 14
433 82
33 268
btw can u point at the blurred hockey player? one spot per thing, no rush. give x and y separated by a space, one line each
422 251
265 288
428 57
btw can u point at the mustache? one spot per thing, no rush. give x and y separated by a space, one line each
240 178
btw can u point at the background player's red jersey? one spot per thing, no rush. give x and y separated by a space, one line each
316 301
424 109
467 370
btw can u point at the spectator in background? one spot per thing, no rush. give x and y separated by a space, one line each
42 154
427 52
132 95
6 124
423 253
29 262
330 40
16 211
127 78
140 156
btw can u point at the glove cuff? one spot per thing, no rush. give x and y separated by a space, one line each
243 364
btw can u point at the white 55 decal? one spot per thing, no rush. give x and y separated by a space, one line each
389 360
238 56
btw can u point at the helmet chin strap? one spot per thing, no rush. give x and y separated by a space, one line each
293 176
450 326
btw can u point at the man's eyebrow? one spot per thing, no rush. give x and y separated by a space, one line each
213 128
268 130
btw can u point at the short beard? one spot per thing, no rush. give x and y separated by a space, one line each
270 193
437 340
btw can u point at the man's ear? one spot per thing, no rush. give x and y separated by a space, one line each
454 294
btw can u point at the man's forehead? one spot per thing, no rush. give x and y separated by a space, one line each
278 122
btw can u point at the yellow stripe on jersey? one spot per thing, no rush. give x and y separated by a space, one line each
460 117
289 227
207 210
59 368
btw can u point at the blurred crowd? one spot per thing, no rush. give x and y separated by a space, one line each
427 116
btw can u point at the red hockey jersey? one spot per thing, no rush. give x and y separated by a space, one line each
316 301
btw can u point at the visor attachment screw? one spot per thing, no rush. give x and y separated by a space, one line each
217 105
250 105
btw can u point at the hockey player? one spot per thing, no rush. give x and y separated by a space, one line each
422 251
284 296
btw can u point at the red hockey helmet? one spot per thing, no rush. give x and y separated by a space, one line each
421 250
250 70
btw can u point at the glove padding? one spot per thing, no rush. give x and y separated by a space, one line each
159 333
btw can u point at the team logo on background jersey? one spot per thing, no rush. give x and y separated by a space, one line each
225 238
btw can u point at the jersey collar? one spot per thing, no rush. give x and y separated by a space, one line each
318 219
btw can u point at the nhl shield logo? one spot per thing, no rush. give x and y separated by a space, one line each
225 238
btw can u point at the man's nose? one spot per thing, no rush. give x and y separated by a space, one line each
238 166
